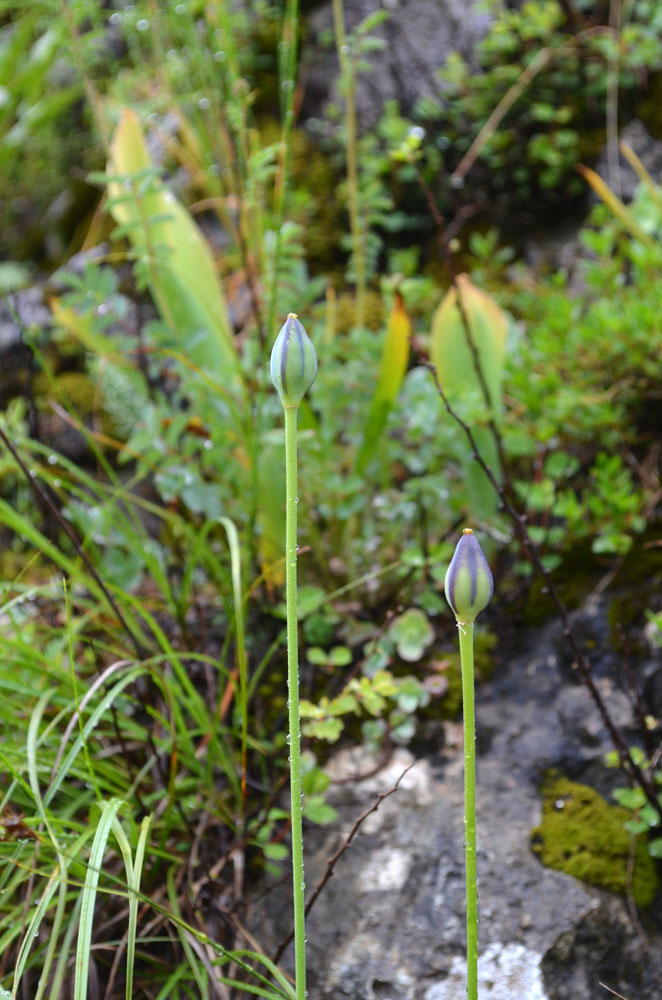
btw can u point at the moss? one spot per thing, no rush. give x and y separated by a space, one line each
71 389
452 700
484 662
346 311
314 204
584 836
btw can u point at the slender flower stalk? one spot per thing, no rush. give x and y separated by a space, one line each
293 371
469 589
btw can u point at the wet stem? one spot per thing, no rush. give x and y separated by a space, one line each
466 633
291 413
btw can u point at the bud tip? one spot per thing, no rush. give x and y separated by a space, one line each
468 584
293 362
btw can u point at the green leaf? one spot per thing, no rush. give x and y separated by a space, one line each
630 798
340 656
275 852
315 781
655 847
412 634
318 811
323 729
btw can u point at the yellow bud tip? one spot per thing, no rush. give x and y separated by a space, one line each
292 316
467 531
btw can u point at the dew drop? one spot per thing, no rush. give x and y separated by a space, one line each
143 24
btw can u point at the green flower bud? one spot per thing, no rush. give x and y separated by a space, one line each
468 585
293 362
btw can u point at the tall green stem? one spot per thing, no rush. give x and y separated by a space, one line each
348 77
286 79
291 413
466 630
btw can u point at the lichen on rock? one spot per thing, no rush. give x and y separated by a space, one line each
582 835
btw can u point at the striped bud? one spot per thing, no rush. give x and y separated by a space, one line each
468 585
293 362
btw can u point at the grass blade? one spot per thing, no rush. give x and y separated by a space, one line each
89 893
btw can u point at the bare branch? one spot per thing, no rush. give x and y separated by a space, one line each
333 860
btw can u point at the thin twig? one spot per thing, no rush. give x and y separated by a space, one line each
619 995
333 860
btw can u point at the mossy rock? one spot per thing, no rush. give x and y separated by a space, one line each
582 835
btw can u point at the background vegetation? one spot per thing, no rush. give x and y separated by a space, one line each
163 207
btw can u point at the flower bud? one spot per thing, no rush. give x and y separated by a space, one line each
468 585
293 362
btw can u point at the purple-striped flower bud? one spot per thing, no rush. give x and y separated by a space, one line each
293 362
468 585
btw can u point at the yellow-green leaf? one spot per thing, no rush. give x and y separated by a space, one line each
392 369
181 270
615 205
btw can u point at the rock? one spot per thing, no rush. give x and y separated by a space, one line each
603 948
649 151
20 311
390 924
417 37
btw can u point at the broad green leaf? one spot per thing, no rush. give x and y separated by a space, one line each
451 353
456 367
180 268
395 357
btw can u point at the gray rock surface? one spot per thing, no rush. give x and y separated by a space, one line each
390 924
647 148
417 36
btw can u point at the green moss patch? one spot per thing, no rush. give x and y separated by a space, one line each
584 836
